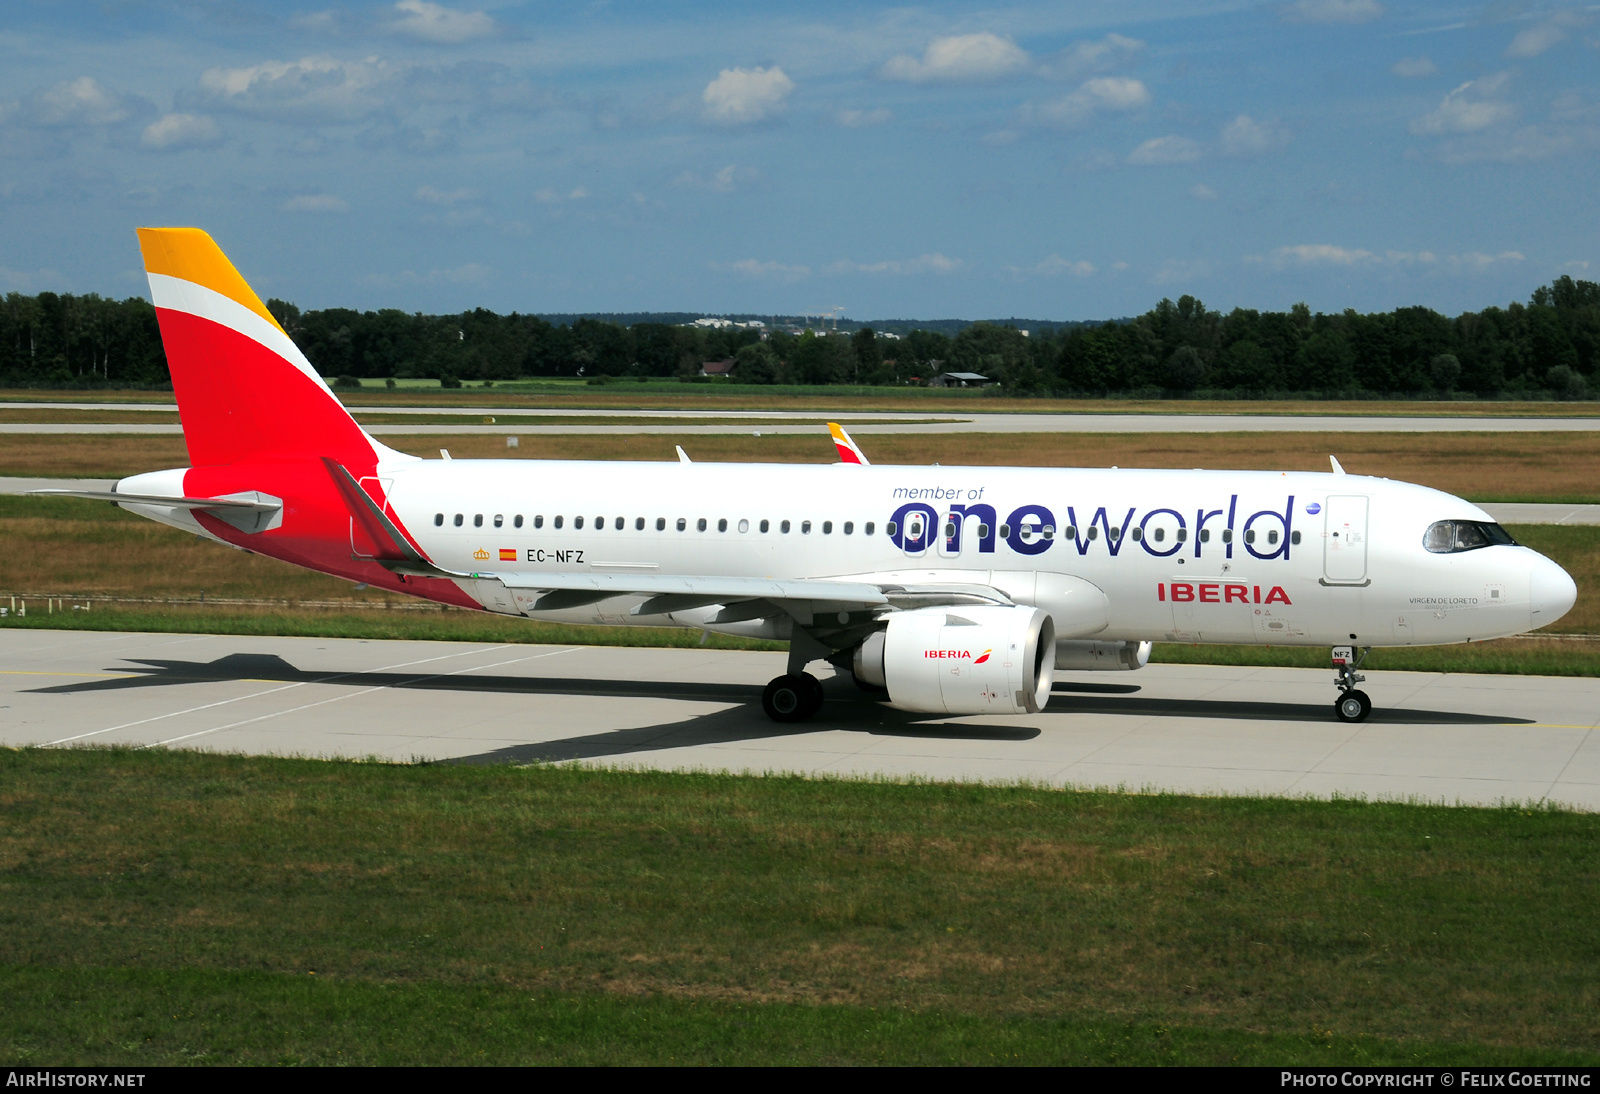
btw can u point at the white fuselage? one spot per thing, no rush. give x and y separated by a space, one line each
1193 556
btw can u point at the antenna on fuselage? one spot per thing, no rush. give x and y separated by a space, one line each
1337 470
683 457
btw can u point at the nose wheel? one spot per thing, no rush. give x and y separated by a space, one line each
792 698
1353 704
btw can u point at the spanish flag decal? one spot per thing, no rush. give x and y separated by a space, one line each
508 554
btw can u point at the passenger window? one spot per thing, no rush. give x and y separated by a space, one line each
764 526
722 524
638 524
477 520
1114 532
438 520
1071 532
516 521
1205 535
849 527
744 526
983 531
1049 531
805 528
1249 535
577 522
1227 535
620 523
1294 538
599 524
949 529
890 529
1005 531
682 524
827 527
700 524
1138 534
661 524
558 522
499 520
1183 535
1094 533
868 529
1272 536
1159 534
458 520
784 527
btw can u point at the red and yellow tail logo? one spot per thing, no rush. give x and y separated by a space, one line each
982 657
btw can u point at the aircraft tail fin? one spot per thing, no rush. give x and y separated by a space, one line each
849 452
244 389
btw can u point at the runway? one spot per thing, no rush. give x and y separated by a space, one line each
1469 739
1504 512
635 422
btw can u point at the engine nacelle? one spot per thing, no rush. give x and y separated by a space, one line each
964 660
1102 656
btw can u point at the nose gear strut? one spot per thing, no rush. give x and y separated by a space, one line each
1353 705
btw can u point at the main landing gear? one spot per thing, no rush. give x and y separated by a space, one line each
1353 705
793 697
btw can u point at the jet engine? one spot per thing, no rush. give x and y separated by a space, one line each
963 660
1102 656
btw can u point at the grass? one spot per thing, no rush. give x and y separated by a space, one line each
169 907
1536 467
58 547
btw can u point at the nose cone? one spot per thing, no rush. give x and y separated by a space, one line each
1553 593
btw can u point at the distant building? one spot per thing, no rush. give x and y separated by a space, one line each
958 379
717 368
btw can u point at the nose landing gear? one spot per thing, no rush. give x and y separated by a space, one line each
1353 705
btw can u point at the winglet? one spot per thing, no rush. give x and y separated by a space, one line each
1337 469
848 450
683 457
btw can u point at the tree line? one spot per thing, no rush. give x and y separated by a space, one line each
1548 347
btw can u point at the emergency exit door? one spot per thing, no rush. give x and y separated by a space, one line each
1344 541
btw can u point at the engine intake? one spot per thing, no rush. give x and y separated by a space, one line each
965 660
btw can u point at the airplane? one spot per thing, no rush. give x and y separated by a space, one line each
941 590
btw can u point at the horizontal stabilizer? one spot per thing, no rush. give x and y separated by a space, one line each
261 503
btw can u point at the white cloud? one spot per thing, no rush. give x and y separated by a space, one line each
1053 266
551 196
33 280
1117 94
739 96
316 203
81 102
1328 255
172 132
1320 254
1203 192
1164 152
928 263
315 89
1577 264
439 24
1332 11
768 270
1176 270
724 180
1112 51
1468 108
1411 67
858 119
430 195
964 58
469 274
1244 136
1535 40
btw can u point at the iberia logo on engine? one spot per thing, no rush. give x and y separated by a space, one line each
960 655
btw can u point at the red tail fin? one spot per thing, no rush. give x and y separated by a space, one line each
245 391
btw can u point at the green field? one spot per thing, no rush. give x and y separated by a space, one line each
169 907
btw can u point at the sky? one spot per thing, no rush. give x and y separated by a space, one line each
1053 160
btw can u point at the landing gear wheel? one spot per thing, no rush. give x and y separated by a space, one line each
792 698
813 693
1352 706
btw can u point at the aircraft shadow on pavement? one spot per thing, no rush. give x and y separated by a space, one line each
845 710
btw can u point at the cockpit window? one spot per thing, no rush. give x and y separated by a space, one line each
1449 536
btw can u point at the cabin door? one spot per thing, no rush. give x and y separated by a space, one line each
1344 541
